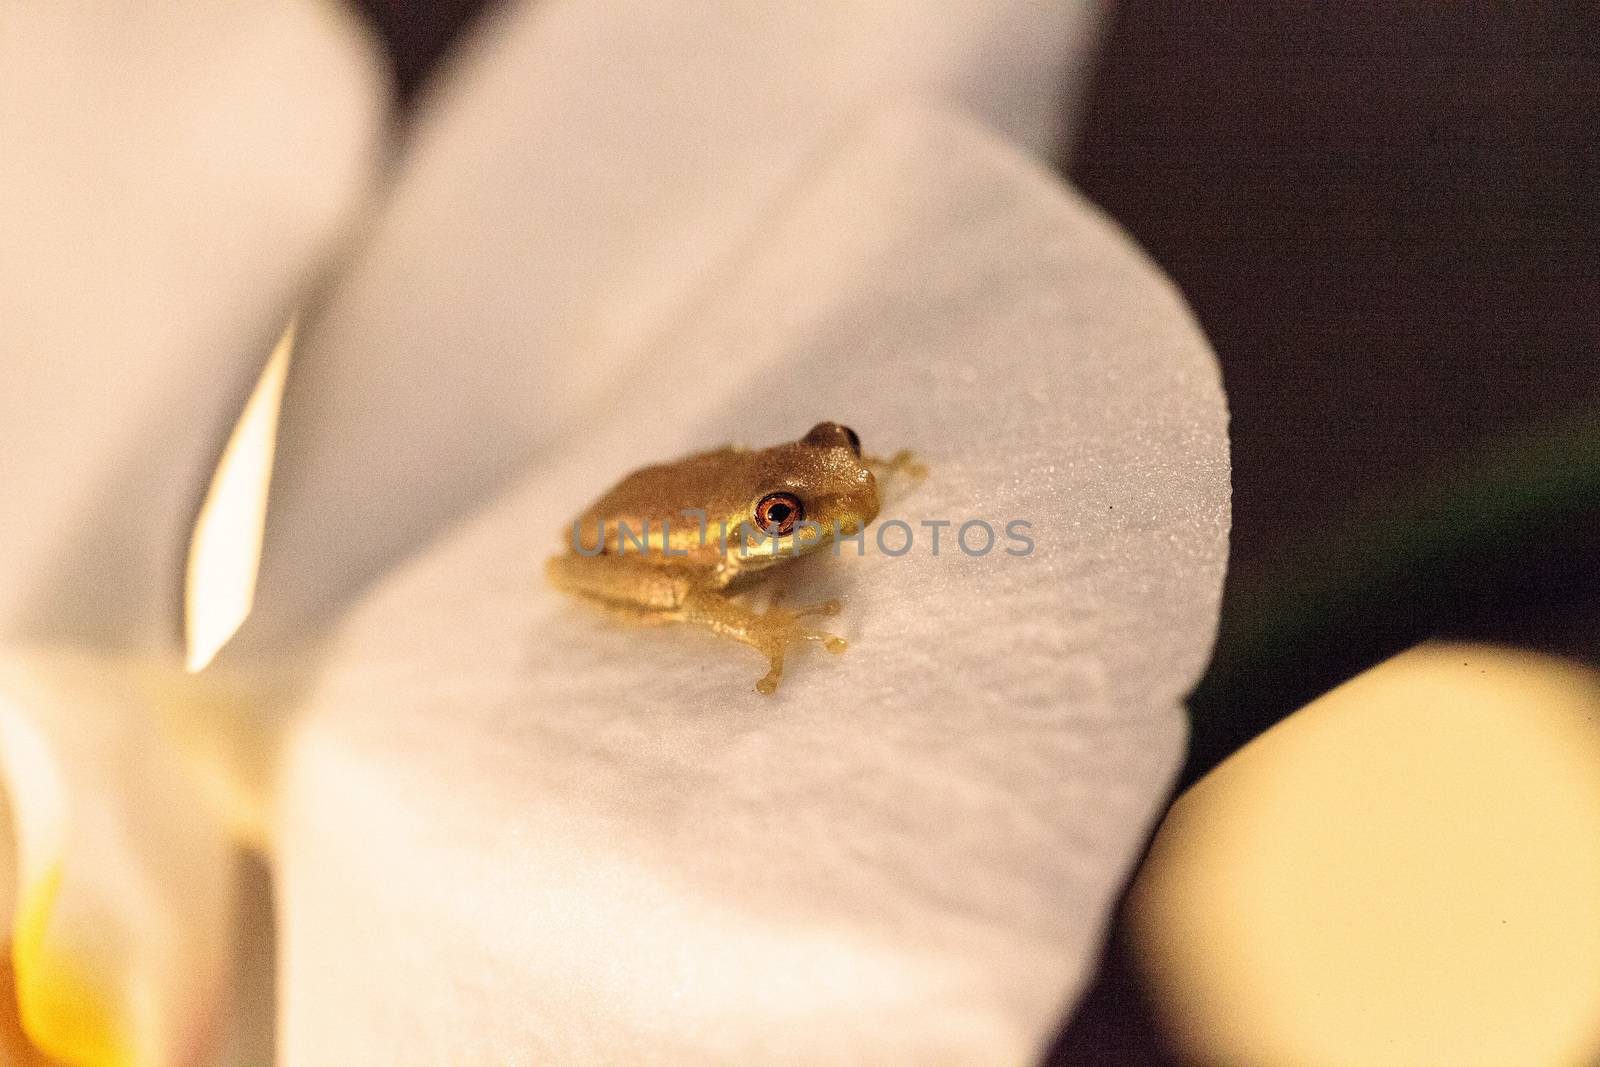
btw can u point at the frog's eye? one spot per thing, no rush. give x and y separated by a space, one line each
831 434
778 513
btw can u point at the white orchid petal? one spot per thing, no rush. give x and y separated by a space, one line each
120 931
170 174
579 173
512 831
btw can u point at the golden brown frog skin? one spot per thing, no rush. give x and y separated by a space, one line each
676 536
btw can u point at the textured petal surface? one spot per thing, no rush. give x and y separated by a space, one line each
120 879
564 195
171 174
512 831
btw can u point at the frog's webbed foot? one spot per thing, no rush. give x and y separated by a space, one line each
902 462
769 632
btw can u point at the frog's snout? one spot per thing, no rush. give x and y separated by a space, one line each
853 511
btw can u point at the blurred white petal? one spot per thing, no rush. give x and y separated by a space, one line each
578 175
513 832
119 878
170 176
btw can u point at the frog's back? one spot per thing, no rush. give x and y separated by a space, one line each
663 492
652 501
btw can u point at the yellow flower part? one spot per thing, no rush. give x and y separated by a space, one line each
1406 871
56 1003
122 873
62 1008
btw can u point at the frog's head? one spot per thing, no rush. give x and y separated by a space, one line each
808 492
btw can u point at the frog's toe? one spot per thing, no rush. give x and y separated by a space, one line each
821 607
777 608
768 684
903 462
782 628
832 642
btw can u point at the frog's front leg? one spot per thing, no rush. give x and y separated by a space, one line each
767 632
904 462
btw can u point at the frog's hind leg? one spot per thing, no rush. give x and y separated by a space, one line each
767 632
631 584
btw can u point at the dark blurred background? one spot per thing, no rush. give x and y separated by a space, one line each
1385 218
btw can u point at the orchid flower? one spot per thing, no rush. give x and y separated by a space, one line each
501 829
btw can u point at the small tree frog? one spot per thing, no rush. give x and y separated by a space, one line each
675 542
